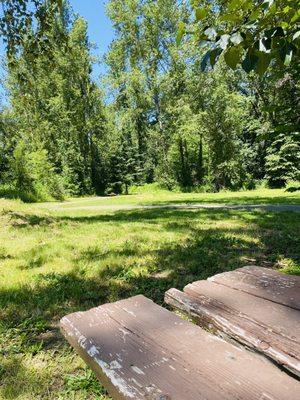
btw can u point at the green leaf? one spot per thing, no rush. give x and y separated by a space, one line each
250 61
273 8
263 62
286 53
202 36
205 61
233 5
201 13
180 32
286 128
229 17
296 16
232 56
248 5
214 55
284 25
254 15
194 4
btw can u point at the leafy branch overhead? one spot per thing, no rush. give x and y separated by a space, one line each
19 16
248 33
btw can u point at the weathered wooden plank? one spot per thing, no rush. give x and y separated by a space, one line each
212 309
273 274
142 351
264 283
279 318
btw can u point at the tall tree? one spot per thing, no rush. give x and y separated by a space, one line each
57 106
18 15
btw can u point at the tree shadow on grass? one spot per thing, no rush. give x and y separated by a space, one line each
242 200
277 232
34 310
149 216
17 379
24 220
29 314
202 252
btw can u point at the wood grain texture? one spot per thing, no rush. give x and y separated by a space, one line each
142 351
263 282
262 325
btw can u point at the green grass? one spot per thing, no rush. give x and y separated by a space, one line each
54 261
142 196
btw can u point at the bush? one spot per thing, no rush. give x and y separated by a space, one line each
21 171
33 176
249 182
10 192
292 186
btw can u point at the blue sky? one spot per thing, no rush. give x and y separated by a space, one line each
99 26
99 29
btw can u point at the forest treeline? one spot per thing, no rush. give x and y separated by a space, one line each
155 117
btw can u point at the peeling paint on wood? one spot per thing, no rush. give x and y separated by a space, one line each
263 282
166 358
224 304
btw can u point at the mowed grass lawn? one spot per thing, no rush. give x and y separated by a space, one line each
56 259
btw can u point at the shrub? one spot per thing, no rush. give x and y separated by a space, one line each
33 176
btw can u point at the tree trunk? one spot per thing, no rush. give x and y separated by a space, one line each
200 171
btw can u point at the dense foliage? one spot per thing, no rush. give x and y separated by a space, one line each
52 131
18 15
157 117
250 33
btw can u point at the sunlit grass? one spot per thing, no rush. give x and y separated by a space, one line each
53 262
141 196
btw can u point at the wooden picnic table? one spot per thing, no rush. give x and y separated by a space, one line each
255 306
140 350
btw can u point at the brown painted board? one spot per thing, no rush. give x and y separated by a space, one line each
228 312
255 270
140 350
264 283
277 317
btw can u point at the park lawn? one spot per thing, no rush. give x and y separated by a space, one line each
56 261
152 195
